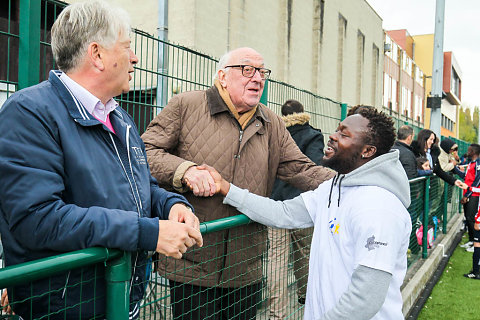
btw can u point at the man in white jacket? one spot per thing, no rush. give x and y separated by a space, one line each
362 227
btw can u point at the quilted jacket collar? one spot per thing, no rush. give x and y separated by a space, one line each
217 105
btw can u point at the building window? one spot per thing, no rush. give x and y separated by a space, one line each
455 83
360 62
447 123
387 90
342 34
375 63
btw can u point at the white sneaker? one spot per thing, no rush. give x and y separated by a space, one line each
471 249
467 244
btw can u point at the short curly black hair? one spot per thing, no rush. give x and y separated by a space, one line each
382 131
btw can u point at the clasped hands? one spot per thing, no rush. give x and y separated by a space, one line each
461 184
205 181
180 232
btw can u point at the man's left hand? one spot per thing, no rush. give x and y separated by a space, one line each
181 213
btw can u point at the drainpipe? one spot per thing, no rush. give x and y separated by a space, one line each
162 67
229 12
437 69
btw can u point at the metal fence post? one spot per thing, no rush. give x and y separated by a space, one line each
343 111
264 97
29 43
117 276
426 209
445 207
460 207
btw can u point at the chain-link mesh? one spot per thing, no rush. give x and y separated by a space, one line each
165 69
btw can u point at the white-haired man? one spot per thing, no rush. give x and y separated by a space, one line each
74 171
227 128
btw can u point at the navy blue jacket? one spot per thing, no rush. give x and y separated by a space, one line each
68 183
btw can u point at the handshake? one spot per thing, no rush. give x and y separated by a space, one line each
205 181
461 184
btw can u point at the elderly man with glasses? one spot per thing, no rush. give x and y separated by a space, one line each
227 128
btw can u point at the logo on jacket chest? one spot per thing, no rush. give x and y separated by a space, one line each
138 155
333 226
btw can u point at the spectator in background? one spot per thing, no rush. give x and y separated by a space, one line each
423 167
310 142
225 127
464 160
407 158
74 173
475 272
470 198
425 146
448 157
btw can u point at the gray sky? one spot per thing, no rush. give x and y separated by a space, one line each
461 34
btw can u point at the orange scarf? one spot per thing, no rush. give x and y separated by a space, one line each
242 118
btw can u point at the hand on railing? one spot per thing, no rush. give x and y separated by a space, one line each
4 303
174 238
222 185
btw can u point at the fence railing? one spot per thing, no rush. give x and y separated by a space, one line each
433 204
165 69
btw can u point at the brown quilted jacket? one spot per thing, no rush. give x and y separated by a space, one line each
198 127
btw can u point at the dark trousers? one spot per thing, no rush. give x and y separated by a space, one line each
470 210
202 303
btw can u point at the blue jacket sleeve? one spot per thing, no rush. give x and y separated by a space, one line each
32 183
162 200
458 172
422 173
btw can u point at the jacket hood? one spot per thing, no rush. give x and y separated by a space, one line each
447 144
296 118
384 171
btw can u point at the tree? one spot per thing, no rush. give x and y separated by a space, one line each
468 128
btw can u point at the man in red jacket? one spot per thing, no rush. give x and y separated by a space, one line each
470 198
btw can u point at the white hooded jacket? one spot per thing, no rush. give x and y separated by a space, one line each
362 231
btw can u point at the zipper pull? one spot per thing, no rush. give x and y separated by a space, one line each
241 135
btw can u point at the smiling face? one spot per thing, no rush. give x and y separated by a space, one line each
118 63
430 141
244 92
346 145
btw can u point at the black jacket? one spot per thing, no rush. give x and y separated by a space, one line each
310 142
407 159
435 152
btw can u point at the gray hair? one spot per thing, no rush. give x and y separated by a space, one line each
82 23
222 63
404 131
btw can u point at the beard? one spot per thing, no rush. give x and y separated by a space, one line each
343 163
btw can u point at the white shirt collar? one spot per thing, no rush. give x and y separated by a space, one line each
88 100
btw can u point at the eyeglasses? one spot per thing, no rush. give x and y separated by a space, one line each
249 71
454 149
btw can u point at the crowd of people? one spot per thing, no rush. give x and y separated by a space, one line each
76 174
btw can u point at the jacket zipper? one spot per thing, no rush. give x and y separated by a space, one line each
127 139
127 136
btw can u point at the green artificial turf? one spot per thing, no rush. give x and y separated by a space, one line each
454 296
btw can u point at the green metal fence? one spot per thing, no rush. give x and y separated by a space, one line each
400 120
431 201
165 69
